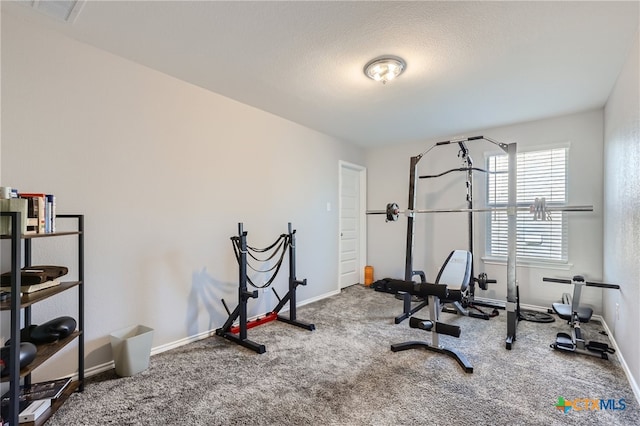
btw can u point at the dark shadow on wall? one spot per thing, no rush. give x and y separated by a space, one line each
207 291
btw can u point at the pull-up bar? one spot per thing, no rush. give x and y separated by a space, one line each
461 141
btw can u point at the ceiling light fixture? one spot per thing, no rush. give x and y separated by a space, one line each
384 68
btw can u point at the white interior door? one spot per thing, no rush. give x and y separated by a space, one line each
352 224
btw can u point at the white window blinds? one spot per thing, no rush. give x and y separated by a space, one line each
540 174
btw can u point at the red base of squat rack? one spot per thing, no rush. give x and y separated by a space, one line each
271 316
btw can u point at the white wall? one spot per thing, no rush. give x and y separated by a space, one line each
437 235
622 211
163 171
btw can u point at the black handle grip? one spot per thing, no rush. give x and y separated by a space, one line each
557 280
437 290
399 285
581 279
449 330
422 324
603 285
422 289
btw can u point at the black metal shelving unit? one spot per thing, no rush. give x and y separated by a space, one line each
23 304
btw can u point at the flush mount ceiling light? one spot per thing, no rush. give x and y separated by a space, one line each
384 68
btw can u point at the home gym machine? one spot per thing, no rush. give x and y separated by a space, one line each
456 271
539 209
571 311
464 305
238 333
468 305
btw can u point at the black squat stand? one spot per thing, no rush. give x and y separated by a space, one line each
238 333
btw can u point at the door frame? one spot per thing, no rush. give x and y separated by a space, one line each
362 232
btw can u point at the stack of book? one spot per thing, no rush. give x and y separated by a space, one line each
38 211
41 212
34 278
35 399
26 289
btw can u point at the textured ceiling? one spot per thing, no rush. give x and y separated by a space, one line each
470 65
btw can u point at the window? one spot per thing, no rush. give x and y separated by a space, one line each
540 174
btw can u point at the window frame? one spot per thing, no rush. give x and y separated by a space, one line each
523 216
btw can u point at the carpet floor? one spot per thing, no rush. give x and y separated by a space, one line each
344 373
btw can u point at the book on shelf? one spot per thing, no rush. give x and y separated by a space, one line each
50 389
31 288
47 216
13 205
35 212
51 218
38 216
35 274
34 410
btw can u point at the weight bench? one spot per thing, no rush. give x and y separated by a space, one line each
456 270
571 311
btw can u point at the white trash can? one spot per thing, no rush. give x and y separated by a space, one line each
131 348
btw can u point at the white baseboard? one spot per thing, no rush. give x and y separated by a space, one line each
315 299
625 366
182 342
97 369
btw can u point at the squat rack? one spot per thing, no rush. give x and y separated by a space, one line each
512 208
238 333
511 150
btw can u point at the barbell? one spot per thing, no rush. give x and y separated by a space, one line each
539 209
